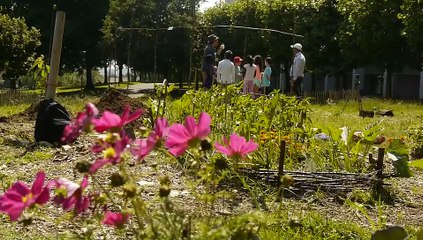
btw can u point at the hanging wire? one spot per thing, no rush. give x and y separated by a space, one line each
259 29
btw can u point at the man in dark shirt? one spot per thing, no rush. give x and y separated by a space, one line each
212 43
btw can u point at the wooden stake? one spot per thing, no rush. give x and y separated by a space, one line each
282 148
56 51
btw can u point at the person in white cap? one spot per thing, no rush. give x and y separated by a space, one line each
297 69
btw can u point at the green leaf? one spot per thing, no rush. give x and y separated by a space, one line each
398 147
417 164
391 233
420 234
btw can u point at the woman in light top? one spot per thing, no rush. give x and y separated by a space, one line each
266 75
258 61
249 73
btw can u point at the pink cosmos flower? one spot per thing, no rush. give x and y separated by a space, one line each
237 147
144 146
115 219
81 123
112 154
73 196
183 136
19 197
111 120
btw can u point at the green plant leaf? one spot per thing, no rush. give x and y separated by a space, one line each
420 234
398 147
391 233
417 164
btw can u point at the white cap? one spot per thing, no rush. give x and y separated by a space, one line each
297 46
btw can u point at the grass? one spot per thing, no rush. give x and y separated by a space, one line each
346 114
97 86
11 110
296 219
301 225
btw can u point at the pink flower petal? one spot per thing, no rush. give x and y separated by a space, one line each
98 164
178 150
191 125
115 219
236 142
134 116
84 183
203 129
222 149
237 147
161 128
250 146
108 120
44 196
177 135
91 109
15 212
37 186
20 188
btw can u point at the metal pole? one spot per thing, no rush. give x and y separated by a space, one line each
55 54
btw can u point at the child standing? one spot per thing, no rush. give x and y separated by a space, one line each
249 73
266 75
238 73
258 61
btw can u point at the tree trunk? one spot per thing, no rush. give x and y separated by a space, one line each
129 74
120 73
13 83
135 76
90 83
105 74
155 55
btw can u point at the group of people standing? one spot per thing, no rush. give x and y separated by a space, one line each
255 73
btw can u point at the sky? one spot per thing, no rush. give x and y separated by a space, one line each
207 4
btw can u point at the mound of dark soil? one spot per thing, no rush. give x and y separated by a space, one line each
115 101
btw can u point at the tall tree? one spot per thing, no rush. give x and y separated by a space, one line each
412 17
17 45
84 19
369 31
154 48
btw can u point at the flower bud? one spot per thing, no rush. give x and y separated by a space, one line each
205 145
100 198
27 220
164 180
118 179
221 164
164 191
83 166
130 190
287 180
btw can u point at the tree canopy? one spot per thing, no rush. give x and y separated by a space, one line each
167 36
17 45
84 19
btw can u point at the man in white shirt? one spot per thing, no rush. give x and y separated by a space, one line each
297 69
226 70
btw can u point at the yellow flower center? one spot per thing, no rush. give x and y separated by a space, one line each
109 153
112 137
27 198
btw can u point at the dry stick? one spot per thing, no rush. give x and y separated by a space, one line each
282 148
379 168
